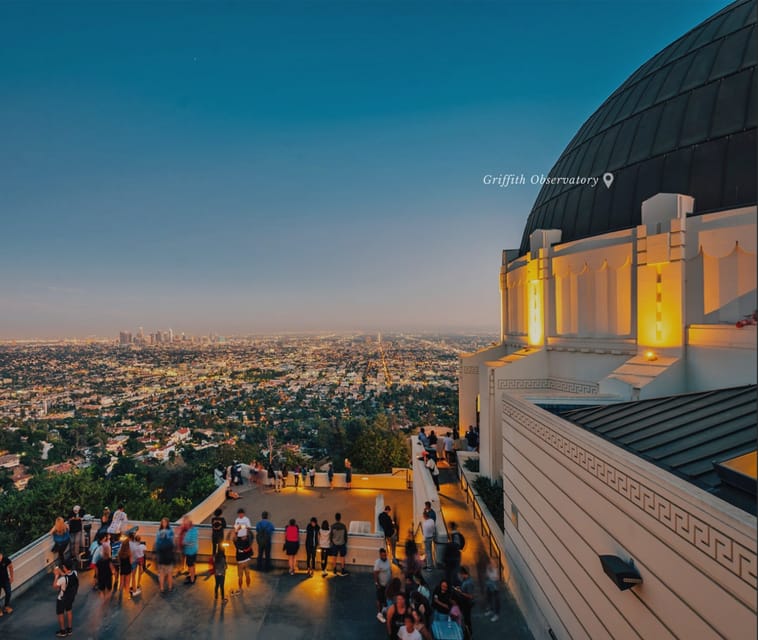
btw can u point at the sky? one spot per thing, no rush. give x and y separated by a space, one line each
256 167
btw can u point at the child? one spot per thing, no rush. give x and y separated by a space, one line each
219 571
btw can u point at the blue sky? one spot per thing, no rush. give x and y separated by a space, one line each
253 167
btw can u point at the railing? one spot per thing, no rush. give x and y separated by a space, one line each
36 559
490 531
424 490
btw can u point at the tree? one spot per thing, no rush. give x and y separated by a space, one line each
377 449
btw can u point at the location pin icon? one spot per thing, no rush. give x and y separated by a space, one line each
608 179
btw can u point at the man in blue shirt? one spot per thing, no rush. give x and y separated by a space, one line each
189 548
264 532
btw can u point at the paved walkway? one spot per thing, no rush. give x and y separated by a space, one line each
511 624
277 606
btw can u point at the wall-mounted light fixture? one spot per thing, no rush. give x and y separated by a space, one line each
623 573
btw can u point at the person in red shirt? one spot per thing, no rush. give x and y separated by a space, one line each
292 544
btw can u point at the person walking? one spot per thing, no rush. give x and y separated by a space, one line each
164 550
312 476
382 577
285 474
6 579
219 574
76 533
325 545
452 558
292 544
66 581
428 509
464 594
218 526
449 445
304 473
338 538
428 530
491 587
311 544
330 475
296 475
390 531
348 474
264 532
412 564
278 479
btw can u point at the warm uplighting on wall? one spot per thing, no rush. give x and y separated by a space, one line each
535 303
651 356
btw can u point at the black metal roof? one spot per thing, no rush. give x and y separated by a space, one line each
684 122
684 434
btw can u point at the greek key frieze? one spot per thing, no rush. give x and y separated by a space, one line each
704 537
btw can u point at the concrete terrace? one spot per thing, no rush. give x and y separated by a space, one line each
303 503
277 605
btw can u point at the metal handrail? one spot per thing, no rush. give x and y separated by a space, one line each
495 548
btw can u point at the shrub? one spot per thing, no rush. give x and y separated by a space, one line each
491 494
472 464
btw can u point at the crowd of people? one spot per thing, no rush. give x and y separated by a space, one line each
276 475
406 603
411 609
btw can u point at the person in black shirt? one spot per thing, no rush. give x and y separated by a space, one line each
390 532
311 544
218 524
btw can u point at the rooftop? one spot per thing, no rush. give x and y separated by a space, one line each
685 434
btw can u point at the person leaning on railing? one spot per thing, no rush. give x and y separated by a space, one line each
61 537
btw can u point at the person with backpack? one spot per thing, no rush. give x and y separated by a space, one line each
164 550
264 532
66 581
243 546
218 525
453 554
338 539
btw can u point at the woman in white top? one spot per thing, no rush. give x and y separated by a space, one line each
324 544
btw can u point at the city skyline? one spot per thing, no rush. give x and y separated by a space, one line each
247 171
